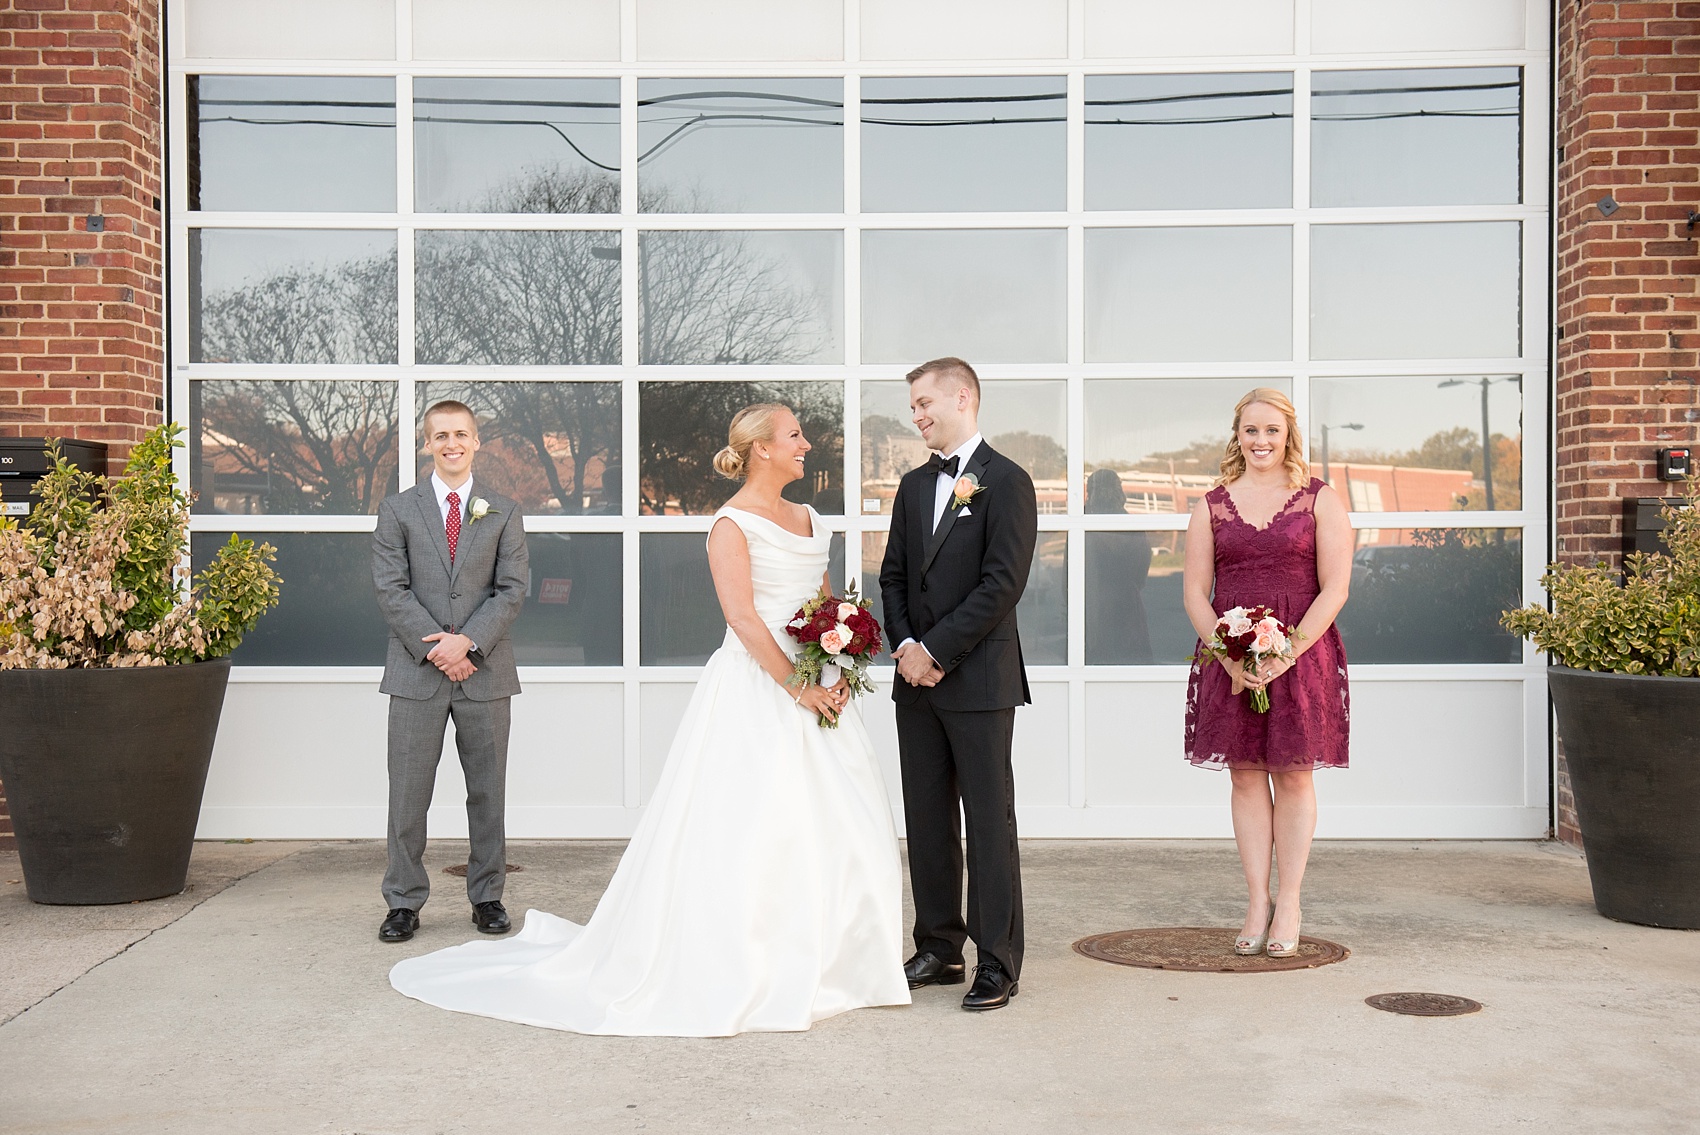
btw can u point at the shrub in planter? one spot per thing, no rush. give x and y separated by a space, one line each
112 673
1626 689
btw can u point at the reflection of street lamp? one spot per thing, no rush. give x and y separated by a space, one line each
1324 431
1487 435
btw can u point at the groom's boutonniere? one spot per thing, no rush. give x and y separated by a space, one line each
968 487
478 509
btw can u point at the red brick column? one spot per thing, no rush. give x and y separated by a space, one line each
82 350
1628 105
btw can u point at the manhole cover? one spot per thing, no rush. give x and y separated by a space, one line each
460 869
1206 949
1424 1004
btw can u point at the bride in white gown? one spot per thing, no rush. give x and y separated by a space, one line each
762 890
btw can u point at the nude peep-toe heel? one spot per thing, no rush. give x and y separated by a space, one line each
1284 949
1250 947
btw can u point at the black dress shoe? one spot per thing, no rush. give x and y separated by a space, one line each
929 969
992 988
491 917
399 925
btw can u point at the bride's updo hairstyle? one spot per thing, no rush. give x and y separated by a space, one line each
749 425
1233 460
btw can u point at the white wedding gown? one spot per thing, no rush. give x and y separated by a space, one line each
762 889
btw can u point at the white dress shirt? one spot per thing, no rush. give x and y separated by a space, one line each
941 498
941 492
443 492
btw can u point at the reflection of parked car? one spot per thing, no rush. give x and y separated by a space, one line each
1384 560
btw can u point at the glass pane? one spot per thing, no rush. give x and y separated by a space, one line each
292 296
286 142
1135 615
1433 595
1189 141
552 446
556 30
1411 444
740 29
962 144
516 145
986 295
518 298
682 425
741 145
292 447
1428 137
327 613
741 297
572 605
964 29
1026 421
1042 614
300 29
679 619
1163 438
1173 295
1415 291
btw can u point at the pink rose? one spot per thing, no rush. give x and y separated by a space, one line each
965 488
1237 626
1264 643
845 610
835 640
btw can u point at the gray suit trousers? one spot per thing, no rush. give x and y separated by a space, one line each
416 745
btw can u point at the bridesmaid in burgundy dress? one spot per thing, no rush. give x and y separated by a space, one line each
1270 534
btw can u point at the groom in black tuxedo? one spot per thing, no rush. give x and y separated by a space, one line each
963 530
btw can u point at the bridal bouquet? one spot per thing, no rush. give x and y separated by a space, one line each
1249 636
839 637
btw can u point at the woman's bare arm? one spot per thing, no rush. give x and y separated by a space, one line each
1198 580
1333 568
729 563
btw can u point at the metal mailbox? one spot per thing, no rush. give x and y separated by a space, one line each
23 462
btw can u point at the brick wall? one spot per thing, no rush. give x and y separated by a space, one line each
81 306
1628 104
81 309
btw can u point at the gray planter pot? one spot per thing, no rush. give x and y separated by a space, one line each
104 771
1632 744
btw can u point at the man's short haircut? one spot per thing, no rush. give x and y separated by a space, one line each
950 367
450 406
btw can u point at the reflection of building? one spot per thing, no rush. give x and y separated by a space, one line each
1390 488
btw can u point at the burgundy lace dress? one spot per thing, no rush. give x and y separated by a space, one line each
1309 705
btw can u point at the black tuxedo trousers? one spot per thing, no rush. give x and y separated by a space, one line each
954 589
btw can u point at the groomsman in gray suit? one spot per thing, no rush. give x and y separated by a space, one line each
451 573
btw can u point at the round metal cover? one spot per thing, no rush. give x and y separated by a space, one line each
1203 949
460 869
1423 1004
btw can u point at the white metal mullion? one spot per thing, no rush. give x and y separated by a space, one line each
1074 590
406 263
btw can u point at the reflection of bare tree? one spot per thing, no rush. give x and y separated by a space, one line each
340 313
713 298
294 447
1042 456
551 433
685 425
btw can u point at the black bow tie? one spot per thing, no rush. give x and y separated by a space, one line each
938 464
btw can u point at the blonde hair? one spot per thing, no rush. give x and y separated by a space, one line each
1233 460
749 425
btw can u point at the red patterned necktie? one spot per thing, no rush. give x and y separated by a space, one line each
454 524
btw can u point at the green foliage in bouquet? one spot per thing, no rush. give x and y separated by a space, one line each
95 577
1649 623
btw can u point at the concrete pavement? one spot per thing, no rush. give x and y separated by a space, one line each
259 1003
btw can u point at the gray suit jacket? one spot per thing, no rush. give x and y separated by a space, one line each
420 594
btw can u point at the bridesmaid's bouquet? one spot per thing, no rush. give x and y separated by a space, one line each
1250 636
840 638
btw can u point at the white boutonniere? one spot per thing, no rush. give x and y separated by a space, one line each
968 487
478 509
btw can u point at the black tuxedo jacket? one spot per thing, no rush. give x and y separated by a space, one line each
955 590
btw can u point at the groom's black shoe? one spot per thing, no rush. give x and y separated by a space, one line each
992 988
399 925
491 918
927 968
